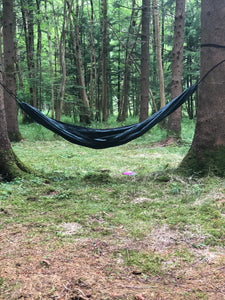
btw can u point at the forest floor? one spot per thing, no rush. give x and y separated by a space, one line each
33 268
81 229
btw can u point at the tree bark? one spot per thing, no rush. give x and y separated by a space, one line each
124 97
145 60
39 50
50 64
84 103
104 62
158 51
28 24
93 70
10 166
174 121
206 154
62 53
9 71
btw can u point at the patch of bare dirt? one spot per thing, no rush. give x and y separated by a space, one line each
42 267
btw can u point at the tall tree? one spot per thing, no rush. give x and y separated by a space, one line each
159 53
84 103
129 48
208 147
39 50
145 60
93 71
174 122
28 25
104 61
9 71
62 53
50 62
10 166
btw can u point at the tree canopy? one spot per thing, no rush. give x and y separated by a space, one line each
59 54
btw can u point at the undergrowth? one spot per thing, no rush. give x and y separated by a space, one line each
77 185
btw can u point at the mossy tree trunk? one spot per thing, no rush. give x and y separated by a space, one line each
207 152
10 165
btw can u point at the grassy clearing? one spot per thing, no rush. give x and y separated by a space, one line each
151 233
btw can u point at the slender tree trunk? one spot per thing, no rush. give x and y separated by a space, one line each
174 122
206 154
145 60
124 97
62 51
154 62
38 59
9 71
18 71
84 103
50 64
28 24
158 51
93 70
104 62
131 59
122 115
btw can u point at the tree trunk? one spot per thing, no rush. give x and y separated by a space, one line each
62 52
28 24
104 62
174 122
93 70
84 103
163 29
10 166
158 51
208 147
145 60
39 50
124 97
9 71
50 64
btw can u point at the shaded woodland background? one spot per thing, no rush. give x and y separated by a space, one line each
83 58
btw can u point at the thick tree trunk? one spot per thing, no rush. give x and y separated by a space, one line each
145 60
207 152
10 166
9 72
174 122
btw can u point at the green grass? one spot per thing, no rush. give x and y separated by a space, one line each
85 186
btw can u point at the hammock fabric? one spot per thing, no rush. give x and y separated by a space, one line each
105 138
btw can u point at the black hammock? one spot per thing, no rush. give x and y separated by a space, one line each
105 138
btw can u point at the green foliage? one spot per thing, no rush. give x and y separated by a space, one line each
119 36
